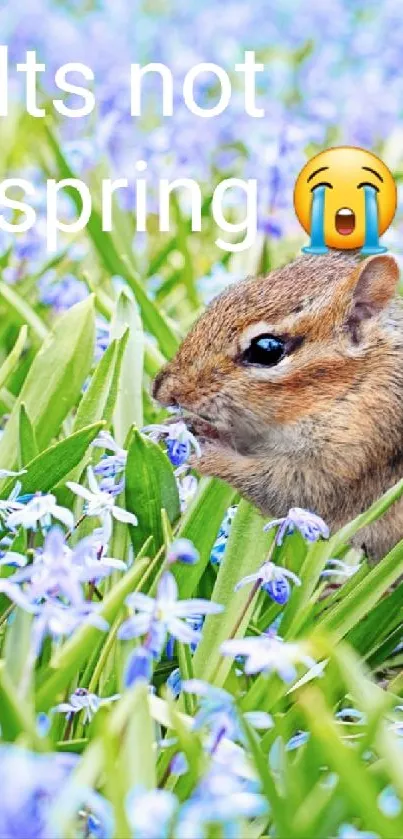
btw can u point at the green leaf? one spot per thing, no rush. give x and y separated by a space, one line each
23 311
138 750
368 634
280 813
245 552
28 444
10 363
201 524
49 467
319 553
358 603
15 718
357 784
98 401
54 381
150 487
17 649
128 409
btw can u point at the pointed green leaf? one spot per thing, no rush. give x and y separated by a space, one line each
201 524
128 409
49 467
98 401
15 718
54 381
358 603
150 487
10 363
245 552
28 444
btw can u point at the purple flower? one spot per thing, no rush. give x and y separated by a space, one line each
102 338
182 550
221 798
110 465
39 511
311 526
268 653
101 503
338 568
63 293
139 667
165 614
82 700
36 788
179 441
187 487
218 712
150 812
222 537
59 621
273 579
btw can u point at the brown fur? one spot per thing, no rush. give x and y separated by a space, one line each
324 428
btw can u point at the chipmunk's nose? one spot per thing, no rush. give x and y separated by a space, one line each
163 388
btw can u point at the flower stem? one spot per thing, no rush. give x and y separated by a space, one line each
77 524
251 597
252 594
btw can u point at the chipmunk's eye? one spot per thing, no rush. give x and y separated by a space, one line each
265 350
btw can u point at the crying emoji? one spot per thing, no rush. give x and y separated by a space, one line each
345 198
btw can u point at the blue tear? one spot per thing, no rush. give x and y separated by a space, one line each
317 245
371 244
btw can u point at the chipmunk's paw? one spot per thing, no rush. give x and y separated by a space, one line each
214 457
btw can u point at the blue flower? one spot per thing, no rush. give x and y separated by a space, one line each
221 542
139 667
311 526
110 465
82 700
270 653
165 614
59 571
178 439
63 293
174 682
150 812
182 550
187 487
338 568
178 452
348 831
219 713
35 790
297 740
389 803
273 579
221 798
39 511
101 503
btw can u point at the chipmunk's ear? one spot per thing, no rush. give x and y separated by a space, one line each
372 285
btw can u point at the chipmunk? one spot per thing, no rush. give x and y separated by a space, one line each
294 385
